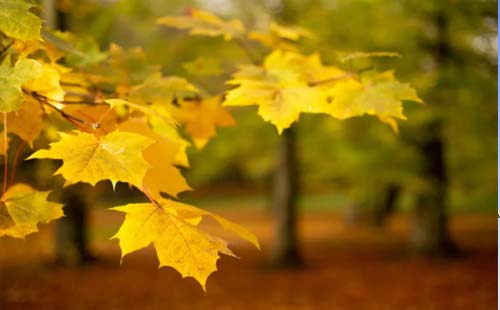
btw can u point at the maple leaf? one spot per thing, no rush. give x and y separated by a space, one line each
205 23
377 94
27 122
280 88
16 20
165 130
129 66
162 176
22 208
279 36
165 116
160 91
101 116
47 84
203 66
116 156
289 32
11 79
289 84
201 118
172 228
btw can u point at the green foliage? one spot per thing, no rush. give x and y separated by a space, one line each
11 79
16 21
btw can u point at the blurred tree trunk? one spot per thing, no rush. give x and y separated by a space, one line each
285 252
384 208
375 205
71 233
430 233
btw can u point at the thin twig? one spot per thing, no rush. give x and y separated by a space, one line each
47 99
6 157
77 94
72 119
145 191
14 165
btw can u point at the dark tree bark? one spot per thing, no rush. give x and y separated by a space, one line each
430 234
285 252
387 206
71 233
375 206
72 229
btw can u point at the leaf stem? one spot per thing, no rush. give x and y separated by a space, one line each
14 165
72 119
332 79
145 191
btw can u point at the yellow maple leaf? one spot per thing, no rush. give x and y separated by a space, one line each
205 23
289 84
22 208
146 109
377 94
279 36
47 84
201 117
27 122
158 90
128 66
172 228
101 116
162 176
116 156
280 88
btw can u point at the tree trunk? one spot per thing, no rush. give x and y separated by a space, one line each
71 233
375 205
384 208
285 193
430 233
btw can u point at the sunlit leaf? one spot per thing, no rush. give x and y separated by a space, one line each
201 117
205 24
16 20
11 80
22 208
116 157
171 227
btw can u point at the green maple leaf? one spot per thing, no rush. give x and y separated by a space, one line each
16 20
11 80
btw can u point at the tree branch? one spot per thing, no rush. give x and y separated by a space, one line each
72 119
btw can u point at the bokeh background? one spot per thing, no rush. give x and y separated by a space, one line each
383 220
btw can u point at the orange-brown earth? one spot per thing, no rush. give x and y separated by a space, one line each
346 268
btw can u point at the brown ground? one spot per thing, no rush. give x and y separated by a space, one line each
347 268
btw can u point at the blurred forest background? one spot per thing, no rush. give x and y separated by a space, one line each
369 201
